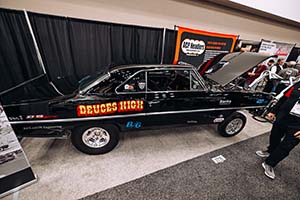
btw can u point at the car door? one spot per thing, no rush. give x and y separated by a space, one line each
192 101
160 104
205 105
131 95
178 96
168 97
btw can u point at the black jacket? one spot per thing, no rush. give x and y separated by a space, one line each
283 107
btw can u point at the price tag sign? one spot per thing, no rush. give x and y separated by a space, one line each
15 170
218 159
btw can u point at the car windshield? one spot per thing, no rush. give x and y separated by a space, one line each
87 81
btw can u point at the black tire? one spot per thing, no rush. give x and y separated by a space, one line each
235 118
77 139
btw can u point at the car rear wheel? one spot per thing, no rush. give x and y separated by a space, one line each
95 139
232 125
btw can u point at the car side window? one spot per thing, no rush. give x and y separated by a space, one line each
195 83
137 83
168 80
106 86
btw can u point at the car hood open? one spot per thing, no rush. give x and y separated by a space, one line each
233 65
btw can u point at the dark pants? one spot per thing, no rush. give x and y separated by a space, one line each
278 148
280 87
268 87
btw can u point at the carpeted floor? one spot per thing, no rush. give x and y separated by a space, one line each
239 177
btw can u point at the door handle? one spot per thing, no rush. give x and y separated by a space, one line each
154 102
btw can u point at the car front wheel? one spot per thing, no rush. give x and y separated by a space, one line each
232 125
95 140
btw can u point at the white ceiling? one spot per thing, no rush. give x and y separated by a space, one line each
289 9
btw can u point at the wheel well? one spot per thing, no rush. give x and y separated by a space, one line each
96 124
241 112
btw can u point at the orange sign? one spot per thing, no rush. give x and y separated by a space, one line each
197 46
109 108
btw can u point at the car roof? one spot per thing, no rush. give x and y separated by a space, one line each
147 66
134 69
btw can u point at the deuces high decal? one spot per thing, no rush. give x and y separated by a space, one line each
126 106
109 108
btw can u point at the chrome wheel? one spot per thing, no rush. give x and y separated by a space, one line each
234 126
95 137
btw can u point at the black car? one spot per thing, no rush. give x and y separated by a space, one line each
140 97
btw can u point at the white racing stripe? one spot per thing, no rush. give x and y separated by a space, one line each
129 115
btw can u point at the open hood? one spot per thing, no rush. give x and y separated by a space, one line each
233 65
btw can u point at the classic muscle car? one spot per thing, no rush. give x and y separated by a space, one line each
140 97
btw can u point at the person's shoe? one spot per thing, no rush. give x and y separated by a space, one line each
262 154
269 171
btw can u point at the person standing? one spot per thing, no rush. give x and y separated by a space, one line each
253 74
270 64
286 74
297 66
286 126
272 83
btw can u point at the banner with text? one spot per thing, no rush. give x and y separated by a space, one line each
195 46
282 50
15 170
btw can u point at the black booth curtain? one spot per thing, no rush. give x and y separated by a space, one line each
75 48
52 35
18 60
71 49
170 46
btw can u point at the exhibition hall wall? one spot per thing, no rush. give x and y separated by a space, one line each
165 13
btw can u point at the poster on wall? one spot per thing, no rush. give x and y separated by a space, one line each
282 50
196 46
15 170
247 46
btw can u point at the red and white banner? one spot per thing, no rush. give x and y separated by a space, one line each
282 50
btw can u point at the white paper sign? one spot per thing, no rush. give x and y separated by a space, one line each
15 170
268 48
296 109
282 50
218 159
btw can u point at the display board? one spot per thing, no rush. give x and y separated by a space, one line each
15 170
247 46
282 50
196 46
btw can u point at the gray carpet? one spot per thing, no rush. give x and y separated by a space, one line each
239 177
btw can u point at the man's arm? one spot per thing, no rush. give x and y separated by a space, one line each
297 135
275 109
260 70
